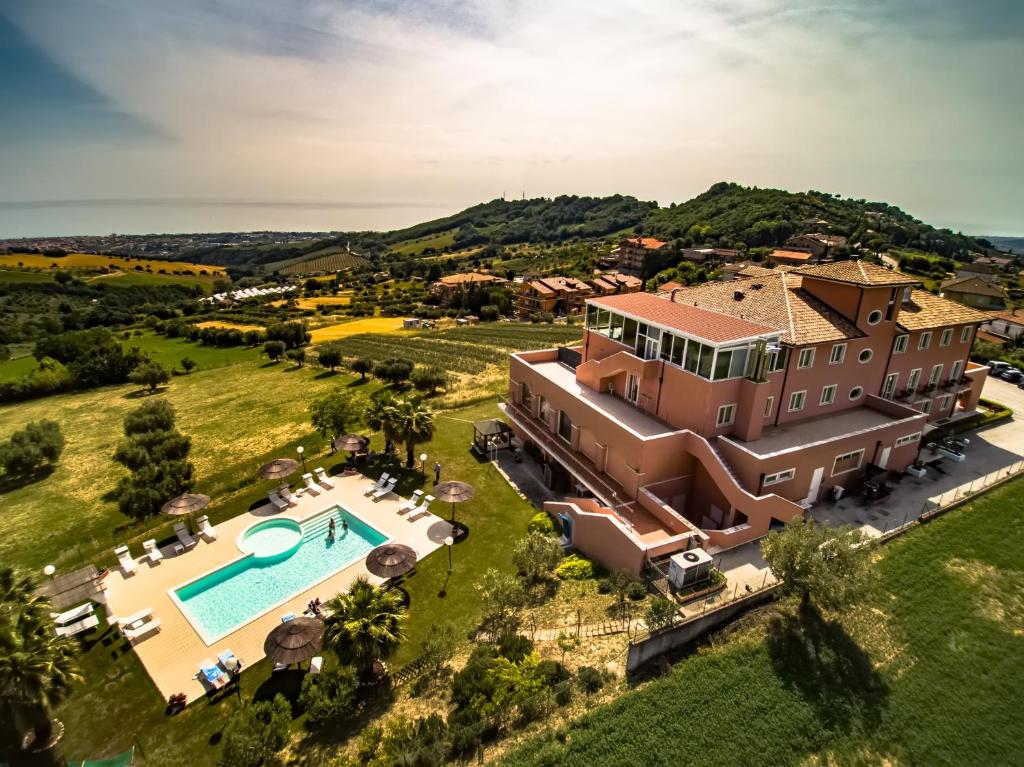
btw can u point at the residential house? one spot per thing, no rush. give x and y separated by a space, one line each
985 272
701 255
708 416
447 287
635 252
1007 325
974 291
566 295
818 244
793 257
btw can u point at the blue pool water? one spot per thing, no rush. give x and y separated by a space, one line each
284 558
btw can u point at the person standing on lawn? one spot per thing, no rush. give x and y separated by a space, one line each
437 472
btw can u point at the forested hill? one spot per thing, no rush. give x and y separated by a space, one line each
730 215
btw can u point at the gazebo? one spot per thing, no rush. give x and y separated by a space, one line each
492 434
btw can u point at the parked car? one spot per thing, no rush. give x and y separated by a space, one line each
1012 375
997 366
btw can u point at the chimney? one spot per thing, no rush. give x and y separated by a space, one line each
737 295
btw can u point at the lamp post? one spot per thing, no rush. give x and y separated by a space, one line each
49 570
448 542
301 450
423 464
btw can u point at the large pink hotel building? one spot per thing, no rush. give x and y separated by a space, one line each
708 416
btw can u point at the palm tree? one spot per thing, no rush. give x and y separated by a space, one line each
37 667
364 624
409 421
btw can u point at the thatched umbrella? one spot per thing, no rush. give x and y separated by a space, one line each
186 504
294 641
391 560
454 492
279 468
351 443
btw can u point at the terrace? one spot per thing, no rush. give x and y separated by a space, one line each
172 655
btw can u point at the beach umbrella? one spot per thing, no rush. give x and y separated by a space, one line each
454 492
295 640
391 560
186 504
279 468
351 443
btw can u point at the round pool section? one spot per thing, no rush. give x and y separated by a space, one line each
272 539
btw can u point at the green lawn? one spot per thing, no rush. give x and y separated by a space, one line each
14 369
926 673
18 275
154 278
169 352
417 246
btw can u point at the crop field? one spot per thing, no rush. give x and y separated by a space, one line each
332 259
926 671
230 325
417 246
93 261
314 303
356 327
17 275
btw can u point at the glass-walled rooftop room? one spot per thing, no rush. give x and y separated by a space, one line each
702 359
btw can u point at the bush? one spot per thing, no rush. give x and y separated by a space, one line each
39 443
636 590
604 586
256 732
563 693
541 522
536 556
394 370
575 568
590 679
187 364
274 349
515 647
150 375
429 378
328 697
660 613
551 672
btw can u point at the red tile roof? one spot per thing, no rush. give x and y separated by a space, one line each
792 255
858 273
650 243
701 323
1009 315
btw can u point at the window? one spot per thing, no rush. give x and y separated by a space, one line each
865 356
777 477
925 406
806 359
796 401
545 412
889 387
936 374
616 327
526 396
678 347
777 359
856 392
838 354
954 372
629 332
564 426
900 345
847 462
726 415
828 394
768 404
910 438
890 310
632 388
924 341
965 334
915 377
875 317
941 404
947 337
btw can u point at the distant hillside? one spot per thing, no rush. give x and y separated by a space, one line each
730 215
1012 244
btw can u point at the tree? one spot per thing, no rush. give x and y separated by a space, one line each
660 614
298 356
429 378
292 334
38 444
364 624
328 697
336 412
329 357
536 556
501 596
150 375
362 366
439 646
827 566
255 733
274 349
156 456
409 421
188 364
37 668
394 371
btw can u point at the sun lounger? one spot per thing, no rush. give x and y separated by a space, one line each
212 674
316 665
287 617
153 553
279 667
418 515
140 631
229 661
287 495
386 489
208 531
278 502
186 538
124 559
373 487
412 503
136 617
70 629
76 614
311 485
322 478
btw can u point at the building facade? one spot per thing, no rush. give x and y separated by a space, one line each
710 415
974 291
566 295
634 253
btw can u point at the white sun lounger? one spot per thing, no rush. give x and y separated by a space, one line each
212 674
278 502
322 478
69 630
208 531
124 559
186 538
373 487
311 484
386 489
135 617
228 660
75 614
421 511
287 495
153 553
140 631
412 503
316 665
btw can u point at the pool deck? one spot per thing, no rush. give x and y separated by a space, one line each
172 655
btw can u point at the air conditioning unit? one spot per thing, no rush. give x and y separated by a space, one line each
689 567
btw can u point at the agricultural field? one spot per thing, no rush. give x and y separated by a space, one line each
416 246
923 672
16 275
318 301
93 261
356 327
170 351
333 259
229 325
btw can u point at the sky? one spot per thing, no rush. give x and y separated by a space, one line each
429 102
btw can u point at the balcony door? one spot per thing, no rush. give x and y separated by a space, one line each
632 388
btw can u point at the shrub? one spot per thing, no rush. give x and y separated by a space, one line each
536 556
150 375
563 693
604 586
636 590
187 364
256 732
541 523
551 672
515 647
575 568
660 613
590 679
328 697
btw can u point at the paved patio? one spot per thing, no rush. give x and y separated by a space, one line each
172 655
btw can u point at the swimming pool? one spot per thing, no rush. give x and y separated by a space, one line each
282 558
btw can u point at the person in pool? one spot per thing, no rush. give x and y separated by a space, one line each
330 530
344 526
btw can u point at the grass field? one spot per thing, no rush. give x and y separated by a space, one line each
417 246
314 303
924 673
348 329
17 275
169 351
93 261
14 369
231 325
